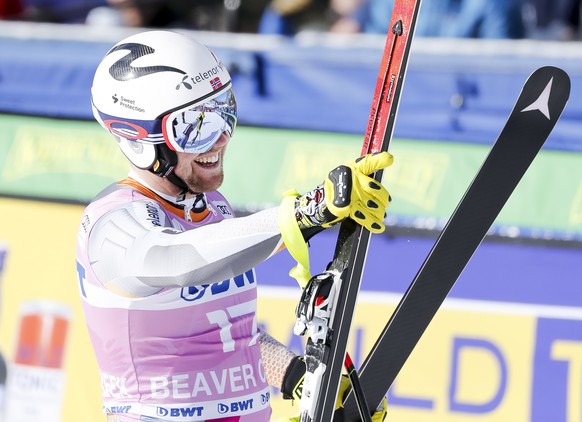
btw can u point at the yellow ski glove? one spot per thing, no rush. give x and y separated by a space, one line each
378 416
348 191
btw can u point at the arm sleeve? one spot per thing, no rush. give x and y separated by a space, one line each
276 359
129 254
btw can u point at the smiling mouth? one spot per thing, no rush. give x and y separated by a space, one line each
208 160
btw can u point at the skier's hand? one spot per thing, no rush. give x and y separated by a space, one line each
378 416
381 412
347 191
293 379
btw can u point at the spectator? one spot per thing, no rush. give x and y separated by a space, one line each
573 17
133 13
207 15
489 19
59 11
553 19
287 17
350 16
438 18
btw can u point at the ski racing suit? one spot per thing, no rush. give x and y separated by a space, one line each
169 296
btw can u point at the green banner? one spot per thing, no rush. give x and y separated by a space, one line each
74 160
56 159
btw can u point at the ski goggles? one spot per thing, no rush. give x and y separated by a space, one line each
197 127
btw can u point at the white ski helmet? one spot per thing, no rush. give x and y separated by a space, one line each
159 92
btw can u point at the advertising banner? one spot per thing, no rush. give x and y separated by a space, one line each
74 160
477 361
36 379
505 346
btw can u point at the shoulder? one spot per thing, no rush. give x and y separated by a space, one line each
141 210
122 198
113 196
123 211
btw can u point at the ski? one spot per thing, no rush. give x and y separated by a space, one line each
531 121
326 309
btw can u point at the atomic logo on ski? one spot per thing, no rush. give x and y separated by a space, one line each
542 102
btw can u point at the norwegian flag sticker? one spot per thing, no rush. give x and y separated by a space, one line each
215 83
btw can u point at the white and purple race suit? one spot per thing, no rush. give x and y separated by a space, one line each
169 295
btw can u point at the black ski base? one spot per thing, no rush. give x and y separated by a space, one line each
535 114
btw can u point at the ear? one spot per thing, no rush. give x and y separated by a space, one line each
140 154
166 160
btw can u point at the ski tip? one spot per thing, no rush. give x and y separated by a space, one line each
547 90
559 76
551 70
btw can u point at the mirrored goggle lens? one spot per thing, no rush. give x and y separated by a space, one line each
196 128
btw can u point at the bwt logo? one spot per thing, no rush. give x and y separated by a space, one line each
235 406
180 411
117 409
193 293
265 398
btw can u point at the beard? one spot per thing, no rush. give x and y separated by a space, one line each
199 178
198 183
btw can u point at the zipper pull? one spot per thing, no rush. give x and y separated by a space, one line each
211 208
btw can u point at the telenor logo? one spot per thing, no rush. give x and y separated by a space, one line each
122 69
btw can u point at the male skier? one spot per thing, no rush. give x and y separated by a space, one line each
166 271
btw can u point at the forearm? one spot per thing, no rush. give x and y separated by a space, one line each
207 254
124 251
276 359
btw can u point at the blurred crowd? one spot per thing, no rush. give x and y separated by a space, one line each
514 19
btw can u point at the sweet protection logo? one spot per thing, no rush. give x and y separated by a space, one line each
123 69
